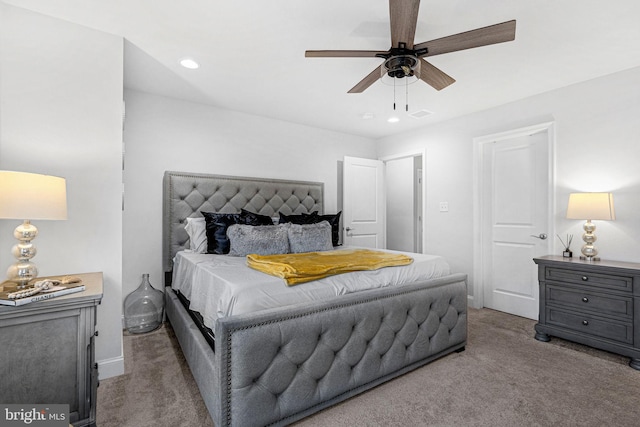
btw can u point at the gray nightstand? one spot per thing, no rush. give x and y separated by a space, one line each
596 303
47 352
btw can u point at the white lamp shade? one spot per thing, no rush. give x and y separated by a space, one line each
30 196
589 206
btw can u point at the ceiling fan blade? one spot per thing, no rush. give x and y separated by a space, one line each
433 76
367 81
343 53
404 18
484 36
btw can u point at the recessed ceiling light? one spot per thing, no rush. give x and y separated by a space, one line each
189 63
393 119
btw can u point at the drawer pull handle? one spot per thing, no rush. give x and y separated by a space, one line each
585 299
585 278
585 322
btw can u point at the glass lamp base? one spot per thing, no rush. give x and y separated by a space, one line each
23 270
589 251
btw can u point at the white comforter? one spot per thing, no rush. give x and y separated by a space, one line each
221 285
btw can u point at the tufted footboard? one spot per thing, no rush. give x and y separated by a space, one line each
277 366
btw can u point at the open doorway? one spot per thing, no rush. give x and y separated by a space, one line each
404 206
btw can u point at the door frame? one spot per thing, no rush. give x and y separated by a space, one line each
477 300
423 154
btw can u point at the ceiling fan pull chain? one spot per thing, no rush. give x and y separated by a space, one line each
394 94
406 94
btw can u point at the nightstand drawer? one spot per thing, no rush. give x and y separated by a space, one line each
591 325
607 281
584 299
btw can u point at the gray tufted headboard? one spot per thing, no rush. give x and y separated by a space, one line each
186 194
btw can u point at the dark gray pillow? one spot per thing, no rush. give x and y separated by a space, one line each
309 237
217 224
261 239
311 218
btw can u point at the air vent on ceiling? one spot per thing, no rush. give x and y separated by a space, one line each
420 114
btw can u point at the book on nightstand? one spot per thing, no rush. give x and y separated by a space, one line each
56 291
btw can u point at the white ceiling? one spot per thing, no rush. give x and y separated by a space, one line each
252 53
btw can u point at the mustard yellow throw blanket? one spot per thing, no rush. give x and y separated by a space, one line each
308 266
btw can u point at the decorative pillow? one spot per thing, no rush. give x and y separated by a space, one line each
311 218
217 224
310 237
251 218
216 230
196 229
261 240
333 220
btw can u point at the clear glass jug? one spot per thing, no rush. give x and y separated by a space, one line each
143 308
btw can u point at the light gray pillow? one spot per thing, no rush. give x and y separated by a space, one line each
257 239
310 237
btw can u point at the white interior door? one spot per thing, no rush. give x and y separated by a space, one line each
515 220
363 202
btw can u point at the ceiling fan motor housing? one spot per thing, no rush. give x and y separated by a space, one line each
401 66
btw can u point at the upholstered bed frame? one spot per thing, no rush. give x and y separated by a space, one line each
277 366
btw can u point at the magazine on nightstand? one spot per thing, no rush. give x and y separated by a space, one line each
55 287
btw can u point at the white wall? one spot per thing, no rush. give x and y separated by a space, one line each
60 114
597 149
168 134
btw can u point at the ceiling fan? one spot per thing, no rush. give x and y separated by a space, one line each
406 59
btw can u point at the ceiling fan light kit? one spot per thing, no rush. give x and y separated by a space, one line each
401 66
405 59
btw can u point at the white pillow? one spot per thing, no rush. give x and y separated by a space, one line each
197 231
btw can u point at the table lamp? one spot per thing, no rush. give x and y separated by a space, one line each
590 206
29 196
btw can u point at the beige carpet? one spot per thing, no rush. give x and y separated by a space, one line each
157 388
504 378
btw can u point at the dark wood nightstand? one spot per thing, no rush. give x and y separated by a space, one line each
47 352
596 303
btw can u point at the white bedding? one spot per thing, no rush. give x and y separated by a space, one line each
222 285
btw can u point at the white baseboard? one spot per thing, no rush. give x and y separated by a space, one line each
471 302
110 367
